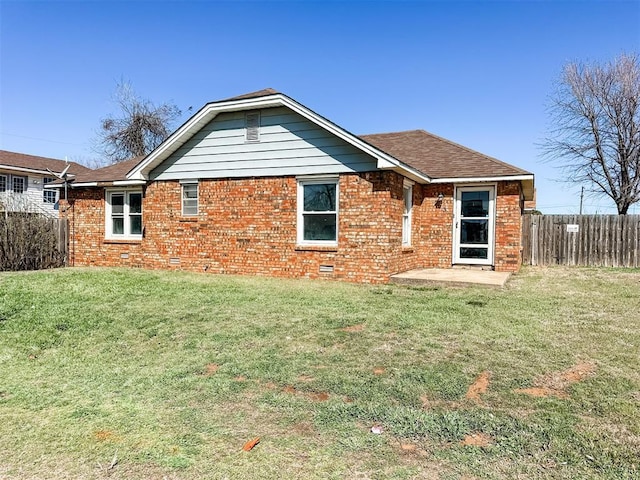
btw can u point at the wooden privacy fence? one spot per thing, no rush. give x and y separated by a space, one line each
32 242
589 240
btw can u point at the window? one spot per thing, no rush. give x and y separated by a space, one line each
318 211
252 120
19 184
3 183
48 195
189 199
407 195
124 214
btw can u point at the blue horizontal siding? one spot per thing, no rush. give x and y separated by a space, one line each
289 145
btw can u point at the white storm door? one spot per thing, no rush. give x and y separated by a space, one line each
474 225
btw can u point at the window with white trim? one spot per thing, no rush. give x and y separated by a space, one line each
190 199
318 211
407 196
19 184
3 183
124 214
48 195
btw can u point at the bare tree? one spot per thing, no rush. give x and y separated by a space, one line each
139 127
595 113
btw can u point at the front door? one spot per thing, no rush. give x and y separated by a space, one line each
474 225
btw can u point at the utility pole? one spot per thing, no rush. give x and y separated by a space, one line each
581 198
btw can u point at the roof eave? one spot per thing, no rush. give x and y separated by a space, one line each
26 170
526 180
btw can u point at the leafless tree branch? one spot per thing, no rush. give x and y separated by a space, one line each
139 128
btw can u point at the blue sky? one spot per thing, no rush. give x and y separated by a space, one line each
478 72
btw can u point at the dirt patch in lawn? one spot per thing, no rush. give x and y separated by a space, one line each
378 370
353 328
479 386
477 439
210 369
314 396
105 436
555 384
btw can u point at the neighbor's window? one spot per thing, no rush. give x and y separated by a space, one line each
19 184
124 214
3 183
407 195
318 211
189 199
48 195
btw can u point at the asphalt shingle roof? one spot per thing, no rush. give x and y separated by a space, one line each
33 162
115 172
438 157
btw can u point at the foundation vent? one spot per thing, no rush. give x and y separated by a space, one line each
326 268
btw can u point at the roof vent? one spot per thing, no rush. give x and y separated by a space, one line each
253 126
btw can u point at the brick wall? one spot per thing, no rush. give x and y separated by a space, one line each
508 247
248 226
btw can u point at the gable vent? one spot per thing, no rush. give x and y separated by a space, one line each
253 126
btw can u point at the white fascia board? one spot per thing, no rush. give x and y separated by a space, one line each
482 179
128 182
211 110
84 184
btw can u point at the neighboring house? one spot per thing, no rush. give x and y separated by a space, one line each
22 181
262 185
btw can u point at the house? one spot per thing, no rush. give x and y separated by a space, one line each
22 181
262 185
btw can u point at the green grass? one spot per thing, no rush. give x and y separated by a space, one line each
110 373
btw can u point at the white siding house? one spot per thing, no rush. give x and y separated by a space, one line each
23 178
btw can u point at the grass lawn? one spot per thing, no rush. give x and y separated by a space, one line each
108 373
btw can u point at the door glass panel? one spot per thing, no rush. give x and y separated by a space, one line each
480 253
474 231
475 204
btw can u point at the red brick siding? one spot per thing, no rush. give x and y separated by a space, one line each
508 246
248 226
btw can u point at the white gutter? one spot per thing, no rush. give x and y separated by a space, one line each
482 179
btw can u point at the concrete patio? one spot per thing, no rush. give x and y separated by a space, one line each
451 276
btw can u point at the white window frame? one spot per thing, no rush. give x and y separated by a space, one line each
302 182
47 192
5 183
407 202
127 235
25 183
183 199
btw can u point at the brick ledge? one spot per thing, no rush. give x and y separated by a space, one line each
122 242
316 248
